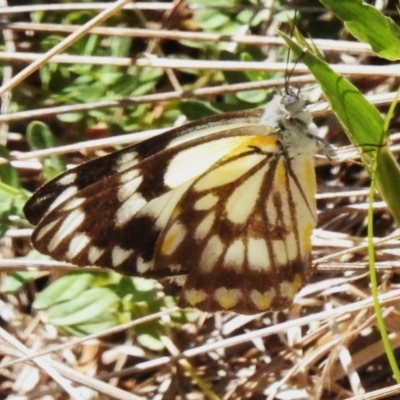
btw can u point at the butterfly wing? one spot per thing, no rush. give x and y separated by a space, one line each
241 231
226 205
73 181
116 222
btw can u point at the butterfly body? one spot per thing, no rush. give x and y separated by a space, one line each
225 204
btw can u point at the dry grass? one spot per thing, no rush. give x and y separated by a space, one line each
326 346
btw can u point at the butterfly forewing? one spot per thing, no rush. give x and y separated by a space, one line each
116 222
72 181
228 209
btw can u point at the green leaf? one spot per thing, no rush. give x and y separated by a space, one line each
39 137
71 117
253 96
108 320
211 20
368 25
120 46
63 289
92 92
136 289
12 284
91 43
111 77
11 204
149 338
8 175
195 109
95 303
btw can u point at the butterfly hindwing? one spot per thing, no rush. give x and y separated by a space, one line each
241 231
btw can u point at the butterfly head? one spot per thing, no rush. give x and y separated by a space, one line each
287 106
293 102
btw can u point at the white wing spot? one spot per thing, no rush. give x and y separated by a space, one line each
305 173
283 216
74 203
76 245
129 188
66 194
242 201
143 266
129 208
228 298
257 254
70 224
180 280
161 208
119 255
126 161
206 202
94 254
234 256
291 247
129 176
67 179
174 268
204 227
280 250
46 229
211 253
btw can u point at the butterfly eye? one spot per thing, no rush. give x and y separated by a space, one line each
289 99
292 102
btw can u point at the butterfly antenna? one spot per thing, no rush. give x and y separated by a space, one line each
289 73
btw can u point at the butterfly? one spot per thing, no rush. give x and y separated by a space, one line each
223 206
